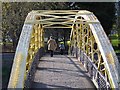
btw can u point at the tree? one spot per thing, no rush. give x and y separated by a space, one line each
105 12
5 7
14 14
118 26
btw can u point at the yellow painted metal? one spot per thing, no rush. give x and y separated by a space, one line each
36 42
39 28
17 70
88 43
19 64
82 36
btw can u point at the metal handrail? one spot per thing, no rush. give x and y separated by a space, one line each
85 37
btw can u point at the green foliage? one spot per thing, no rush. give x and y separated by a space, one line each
14 14
105 12
115 42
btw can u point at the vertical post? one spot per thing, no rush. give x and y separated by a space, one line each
83 49
75 39
81 36
39 27
42 37
36 37
92 47
87 32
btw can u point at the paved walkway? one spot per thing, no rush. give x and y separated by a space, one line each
61 72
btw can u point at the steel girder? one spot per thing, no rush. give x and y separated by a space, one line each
87 35
91 39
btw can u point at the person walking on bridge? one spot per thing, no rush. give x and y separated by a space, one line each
62 48
52 45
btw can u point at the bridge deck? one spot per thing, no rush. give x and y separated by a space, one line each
61 71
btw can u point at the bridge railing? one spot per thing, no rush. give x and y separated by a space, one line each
92 47
87 36
29 50
95 75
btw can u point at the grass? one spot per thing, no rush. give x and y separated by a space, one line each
8 43
115 42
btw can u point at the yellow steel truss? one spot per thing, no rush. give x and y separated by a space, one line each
87 35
